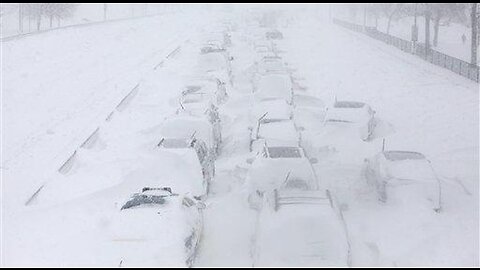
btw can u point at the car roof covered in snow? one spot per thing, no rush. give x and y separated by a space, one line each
306 235
183 127
212 61
406 165
307 101
350 112
268 174
283 130
274 109
275 86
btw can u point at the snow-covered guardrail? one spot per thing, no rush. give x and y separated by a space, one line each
33 33
456 65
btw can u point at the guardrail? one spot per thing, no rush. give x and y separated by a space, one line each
78 25
456 65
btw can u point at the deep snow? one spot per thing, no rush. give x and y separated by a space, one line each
51 105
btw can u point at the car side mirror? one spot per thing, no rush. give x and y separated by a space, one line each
187 202
344 207
255 200
201 205
313 160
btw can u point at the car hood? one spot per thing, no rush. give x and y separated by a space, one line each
267 174
415 170
153 235
301 235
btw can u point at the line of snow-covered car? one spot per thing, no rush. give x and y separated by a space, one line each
299 223
193 134
299 220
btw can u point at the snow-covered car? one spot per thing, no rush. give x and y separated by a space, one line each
216 65
273 110
274 86
200 109
185 127
208 86
264 50
168 224
274 34
273 133
354 114
271 64
227 39
199 100
402 176
211 48
276 165
308 111
299 228
191 148
214 61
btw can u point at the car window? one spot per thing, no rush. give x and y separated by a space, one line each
175 143
402 155
284 152
297 183
144 199
349 104
201 152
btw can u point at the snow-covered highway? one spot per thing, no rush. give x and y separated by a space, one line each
54 97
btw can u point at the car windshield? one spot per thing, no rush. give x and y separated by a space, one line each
261 49
402 155
191 89
338 121
175 143
297 183
349 104
149 196
142 199
193 98
271 120
284 152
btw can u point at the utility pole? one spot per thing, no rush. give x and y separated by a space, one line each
427 32
104 12
473 60
414 31
20 18
365 17
330 12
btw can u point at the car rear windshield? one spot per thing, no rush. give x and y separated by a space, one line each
191 89
297 183
284 152
144 199
402 155
175 143
349 104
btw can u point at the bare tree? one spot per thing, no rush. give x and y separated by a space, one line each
443 11
58 11
375 11
390 11
474 17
